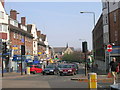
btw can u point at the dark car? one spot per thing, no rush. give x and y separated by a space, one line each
50 69
66 69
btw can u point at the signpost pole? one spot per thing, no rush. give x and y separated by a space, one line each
109 49
2 66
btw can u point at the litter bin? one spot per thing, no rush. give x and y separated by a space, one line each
28 70
92 80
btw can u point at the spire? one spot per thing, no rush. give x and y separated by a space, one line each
67 45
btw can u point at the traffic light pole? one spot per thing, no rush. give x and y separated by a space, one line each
85 64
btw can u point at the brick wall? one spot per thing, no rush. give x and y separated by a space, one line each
115 27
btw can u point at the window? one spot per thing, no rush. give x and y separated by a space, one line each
105 19
0 27
5 28
1 14
116 35
114 15
14 35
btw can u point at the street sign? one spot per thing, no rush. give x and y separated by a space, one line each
109 48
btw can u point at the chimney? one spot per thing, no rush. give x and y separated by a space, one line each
38 33
23 20
3 2
13 14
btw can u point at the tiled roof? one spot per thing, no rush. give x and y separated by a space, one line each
61 49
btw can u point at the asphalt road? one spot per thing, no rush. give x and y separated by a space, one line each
47 81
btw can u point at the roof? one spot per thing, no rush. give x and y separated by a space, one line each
61 49
43 37
13 28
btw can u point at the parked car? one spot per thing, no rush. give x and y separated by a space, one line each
35 69
66 69
50 69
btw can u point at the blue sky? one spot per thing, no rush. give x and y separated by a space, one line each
60 21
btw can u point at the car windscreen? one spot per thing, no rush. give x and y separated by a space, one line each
66 66
50 66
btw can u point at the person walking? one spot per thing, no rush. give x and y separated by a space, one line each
113 65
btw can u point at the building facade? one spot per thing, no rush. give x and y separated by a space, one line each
111 33
4 35
98 44
19 37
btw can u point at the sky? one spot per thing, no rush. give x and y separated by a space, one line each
62 22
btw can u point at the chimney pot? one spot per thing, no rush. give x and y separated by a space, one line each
3 2
23 20
13 14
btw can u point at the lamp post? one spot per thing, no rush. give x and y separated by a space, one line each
94 26
90 13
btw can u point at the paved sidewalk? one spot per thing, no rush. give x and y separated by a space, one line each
14 75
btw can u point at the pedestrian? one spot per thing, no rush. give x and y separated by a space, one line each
113 65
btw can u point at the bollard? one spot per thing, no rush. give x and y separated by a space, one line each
28 70
92 80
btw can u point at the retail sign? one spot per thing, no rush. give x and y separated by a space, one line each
109 48
15 47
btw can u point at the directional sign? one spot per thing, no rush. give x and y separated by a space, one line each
109 48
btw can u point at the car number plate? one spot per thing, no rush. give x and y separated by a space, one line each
64 72
47 71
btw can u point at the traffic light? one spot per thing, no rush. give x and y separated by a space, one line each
84 47
4 47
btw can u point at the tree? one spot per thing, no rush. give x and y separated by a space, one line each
76 56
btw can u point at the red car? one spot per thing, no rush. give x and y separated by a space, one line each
35 69
67 70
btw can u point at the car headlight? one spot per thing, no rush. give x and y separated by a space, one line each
70 70
61 70
51 70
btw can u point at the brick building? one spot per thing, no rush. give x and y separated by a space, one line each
19 36
111 34
98 45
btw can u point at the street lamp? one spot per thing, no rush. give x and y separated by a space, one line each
90 13
94 24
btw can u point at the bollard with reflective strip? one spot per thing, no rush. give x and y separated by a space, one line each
92 80
28 70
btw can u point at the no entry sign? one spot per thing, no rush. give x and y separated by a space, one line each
109 48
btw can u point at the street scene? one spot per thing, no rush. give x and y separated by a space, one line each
60 44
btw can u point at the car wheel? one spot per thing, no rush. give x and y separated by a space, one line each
53 73
61 74
74 73
43 73
34 72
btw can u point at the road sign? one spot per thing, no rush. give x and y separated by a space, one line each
109 48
